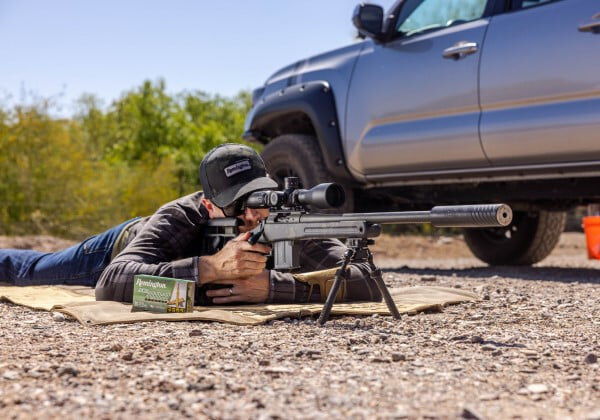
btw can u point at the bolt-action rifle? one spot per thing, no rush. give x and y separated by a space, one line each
291 220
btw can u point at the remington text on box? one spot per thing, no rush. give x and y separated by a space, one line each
162 294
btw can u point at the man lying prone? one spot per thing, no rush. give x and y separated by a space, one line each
170 243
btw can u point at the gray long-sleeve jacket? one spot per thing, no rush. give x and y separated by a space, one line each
169 244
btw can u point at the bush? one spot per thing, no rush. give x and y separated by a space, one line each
74 177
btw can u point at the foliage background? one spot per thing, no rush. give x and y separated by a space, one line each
78 176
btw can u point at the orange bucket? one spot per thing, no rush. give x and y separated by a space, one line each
591 227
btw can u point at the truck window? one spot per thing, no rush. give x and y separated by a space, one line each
424 15
523 4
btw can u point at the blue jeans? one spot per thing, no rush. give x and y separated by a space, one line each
80 264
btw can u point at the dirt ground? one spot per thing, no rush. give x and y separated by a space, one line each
528 349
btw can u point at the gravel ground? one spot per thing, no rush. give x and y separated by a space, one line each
528 349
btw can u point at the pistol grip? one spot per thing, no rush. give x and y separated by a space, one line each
254 237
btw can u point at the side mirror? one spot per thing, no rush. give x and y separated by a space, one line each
368 19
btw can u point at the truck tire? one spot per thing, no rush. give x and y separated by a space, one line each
299 155
527 240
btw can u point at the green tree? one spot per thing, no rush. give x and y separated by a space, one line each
77 176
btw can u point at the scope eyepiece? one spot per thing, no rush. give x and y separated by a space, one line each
265 199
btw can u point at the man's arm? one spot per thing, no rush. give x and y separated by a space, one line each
320 255
154 251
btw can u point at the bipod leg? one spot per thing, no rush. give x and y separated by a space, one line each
340 275
378 279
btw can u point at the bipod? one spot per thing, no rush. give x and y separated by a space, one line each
358 251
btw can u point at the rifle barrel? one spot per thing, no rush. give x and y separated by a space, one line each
475 215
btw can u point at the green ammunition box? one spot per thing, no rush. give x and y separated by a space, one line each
162 294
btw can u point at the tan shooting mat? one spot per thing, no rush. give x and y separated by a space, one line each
79 303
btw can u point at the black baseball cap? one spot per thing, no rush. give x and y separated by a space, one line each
230 171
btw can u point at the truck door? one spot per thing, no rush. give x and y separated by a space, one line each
413 101
540 83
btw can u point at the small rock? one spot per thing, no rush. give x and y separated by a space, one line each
11 375
68 370
489 397
58 317
379 360
459 337
398 357
195 333
476 339
488 347
127 357
423 371
486 297
470 413
400 413
277 370
496 352
264 362
428 278
114 347
537 388
591 358
79 400
201 386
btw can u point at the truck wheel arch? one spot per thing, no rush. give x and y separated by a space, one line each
304 108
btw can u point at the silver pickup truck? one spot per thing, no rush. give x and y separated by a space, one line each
449 102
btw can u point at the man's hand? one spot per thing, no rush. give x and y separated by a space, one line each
238 259
254 289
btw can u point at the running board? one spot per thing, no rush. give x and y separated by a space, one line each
488 174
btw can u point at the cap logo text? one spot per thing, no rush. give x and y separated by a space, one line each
237 167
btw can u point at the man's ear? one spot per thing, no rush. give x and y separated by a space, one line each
209 206
207 203
213 210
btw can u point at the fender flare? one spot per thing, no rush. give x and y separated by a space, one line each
315 100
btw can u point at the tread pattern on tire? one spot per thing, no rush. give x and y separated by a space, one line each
551 225
539 241
304 144
306 149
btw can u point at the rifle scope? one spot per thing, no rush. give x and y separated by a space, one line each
322 196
